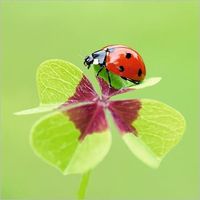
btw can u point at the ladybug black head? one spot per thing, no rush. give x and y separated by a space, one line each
88 60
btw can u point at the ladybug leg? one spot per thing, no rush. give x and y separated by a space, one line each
109 79
88 66
132 81
124 78
101 68
135 82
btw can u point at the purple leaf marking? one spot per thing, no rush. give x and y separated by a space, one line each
108 91
91 118
88 119
124 113
84 93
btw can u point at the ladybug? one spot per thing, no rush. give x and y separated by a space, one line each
120 60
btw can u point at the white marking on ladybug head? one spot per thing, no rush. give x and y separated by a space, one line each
96 61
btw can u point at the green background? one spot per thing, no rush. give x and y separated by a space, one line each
166 35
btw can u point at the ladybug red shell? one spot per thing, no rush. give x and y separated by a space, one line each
120 60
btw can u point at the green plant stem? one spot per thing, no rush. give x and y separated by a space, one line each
83 185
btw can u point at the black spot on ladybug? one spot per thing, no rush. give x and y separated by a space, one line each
121 68
139 72
128 55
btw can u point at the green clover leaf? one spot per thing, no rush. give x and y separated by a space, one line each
56 140
57 81
159 128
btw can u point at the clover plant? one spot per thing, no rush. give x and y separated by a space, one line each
75 137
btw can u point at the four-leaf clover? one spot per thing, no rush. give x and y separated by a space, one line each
75 136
